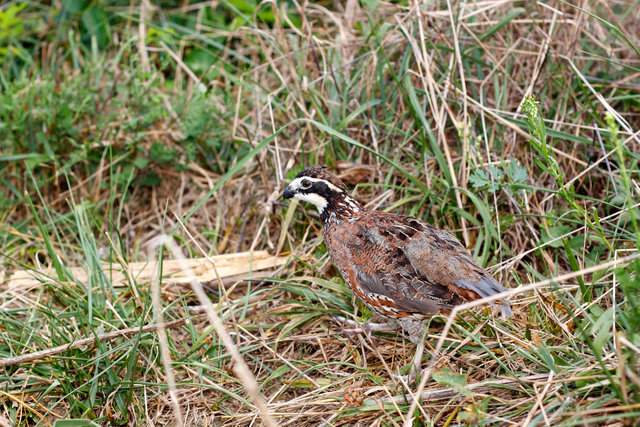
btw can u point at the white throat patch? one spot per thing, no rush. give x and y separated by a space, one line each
315 199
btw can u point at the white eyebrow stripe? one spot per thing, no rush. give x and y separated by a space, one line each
295 184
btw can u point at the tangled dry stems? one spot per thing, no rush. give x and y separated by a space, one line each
307 371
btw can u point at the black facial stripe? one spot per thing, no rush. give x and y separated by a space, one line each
320 188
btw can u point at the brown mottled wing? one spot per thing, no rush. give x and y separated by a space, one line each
367 255
437 256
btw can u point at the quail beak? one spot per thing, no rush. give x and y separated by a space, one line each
288 193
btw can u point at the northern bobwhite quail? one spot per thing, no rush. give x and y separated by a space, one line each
400 267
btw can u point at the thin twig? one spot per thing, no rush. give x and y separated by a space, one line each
448 392
30 357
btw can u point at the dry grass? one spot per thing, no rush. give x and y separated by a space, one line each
412 104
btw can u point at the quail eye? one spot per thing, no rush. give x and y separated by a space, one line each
305 184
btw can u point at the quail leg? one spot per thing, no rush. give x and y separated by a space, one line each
416 366
416 331
366 327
